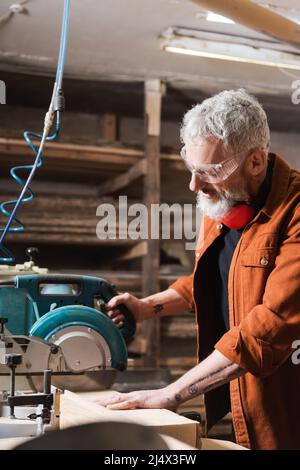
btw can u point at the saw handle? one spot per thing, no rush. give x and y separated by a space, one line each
88 287
109 291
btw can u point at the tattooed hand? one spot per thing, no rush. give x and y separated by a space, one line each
158 308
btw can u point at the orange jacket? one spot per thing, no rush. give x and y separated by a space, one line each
264 310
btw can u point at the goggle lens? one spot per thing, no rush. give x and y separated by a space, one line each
213 173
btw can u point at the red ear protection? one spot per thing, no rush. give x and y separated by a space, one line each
240 215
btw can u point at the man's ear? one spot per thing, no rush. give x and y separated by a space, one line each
256 162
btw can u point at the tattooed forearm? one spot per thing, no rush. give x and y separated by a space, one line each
213 380
193 389
178 397
158 308
216 372
211 373
222 381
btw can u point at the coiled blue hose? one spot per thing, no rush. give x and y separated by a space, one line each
26 195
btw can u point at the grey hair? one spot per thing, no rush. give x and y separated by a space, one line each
233 116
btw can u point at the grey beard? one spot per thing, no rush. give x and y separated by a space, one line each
218 209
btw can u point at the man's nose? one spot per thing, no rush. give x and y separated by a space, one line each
196 184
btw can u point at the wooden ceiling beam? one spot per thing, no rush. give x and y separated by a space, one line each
257 17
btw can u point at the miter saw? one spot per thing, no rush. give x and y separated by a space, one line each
58 322
55 334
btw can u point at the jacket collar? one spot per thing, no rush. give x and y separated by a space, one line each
211 229
279 185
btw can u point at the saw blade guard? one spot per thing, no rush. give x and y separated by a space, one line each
76 325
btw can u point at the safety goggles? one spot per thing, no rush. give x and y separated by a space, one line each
213 173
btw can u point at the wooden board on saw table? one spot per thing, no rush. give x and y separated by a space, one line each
82 408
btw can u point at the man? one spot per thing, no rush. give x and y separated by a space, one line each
245 285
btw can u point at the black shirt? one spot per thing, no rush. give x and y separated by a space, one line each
225 245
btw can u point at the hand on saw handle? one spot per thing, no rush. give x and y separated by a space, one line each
128 326
167 302
136 306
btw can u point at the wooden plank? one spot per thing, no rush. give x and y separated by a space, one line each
153 92
73 152
64 239
51 187
151 262
108 127
136 251
104 153
83 408
123 180
256 17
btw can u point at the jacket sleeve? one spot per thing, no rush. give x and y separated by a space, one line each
184 287
264 338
